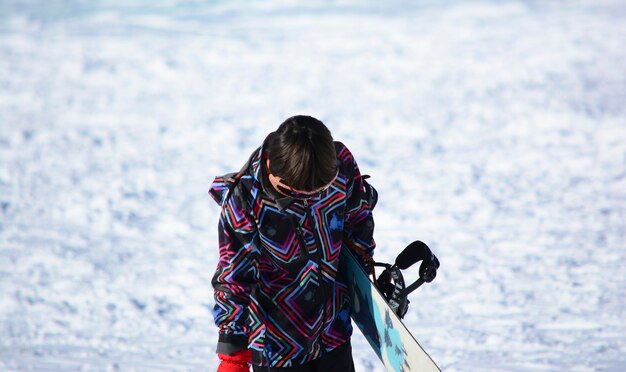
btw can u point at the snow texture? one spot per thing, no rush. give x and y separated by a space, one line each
495 131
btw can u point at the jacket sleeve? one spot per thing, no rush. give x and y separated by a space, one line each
359 221
237 273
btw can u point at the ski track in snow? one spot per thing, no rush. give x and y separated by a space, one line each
494 131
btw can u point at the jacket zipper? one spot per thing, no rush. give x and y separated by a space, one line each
304 251
318 256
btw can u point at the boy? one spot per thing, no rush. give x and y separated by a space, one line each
285 217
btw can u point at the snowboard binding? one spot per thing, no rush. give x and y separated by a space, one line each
391 281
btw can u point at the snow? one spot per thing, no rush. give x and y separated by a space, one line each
495 131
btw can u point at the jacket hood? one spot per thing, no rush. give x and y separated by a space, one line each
254 171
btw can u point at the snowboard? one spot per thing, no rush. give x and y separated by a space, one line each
383 329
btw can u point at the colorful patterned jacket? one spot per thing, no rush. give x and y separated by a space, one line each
276 290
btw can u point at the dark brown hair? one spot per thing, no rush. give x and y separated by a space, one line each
302 153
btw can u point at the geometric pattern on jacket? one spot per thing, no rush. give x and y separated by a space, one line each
276 288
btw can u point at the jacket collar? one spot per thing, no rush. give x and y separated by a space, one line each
259 173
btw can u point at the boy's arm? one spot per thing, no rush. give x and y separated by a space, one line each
237 273
359 222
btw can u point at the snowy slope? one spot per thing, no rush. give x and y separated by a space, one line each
495 131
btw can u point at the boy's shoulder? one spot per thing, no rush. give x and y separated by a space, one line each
235 182
345 159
